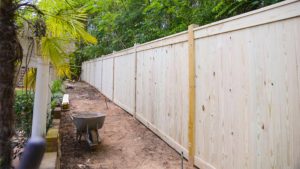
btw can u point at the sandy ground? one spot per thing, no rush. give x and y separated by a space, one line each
126 143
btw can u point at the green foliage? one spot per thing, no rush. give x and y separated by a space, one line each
119 24
57 87
57 92
75 63
228 8
22 91
24 106
24 111
65 20
61 25
66 24
30 79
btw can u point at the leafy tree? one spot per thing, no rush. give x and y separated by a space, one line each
56 24
10 53
119 24
228 8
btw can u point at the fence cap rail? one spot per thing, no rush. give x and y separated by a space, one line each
279 11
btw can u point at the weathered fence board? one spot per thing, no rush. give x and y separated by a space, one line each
247 88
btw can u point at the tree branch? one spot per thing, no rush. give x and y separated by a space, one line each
29 22
29 5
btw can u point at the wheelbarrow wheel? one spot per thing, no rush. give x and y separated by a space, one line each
93 136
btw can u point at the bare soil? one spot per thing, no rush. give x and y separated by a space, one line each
126 143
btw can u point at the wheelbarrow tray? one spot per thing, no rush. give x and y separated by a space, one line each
88 119
89 123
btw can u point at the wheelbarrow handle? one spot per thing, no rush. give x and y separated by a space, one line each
33 153
72 118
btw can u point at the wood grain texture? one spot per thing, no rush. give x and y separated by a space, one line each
281 11
247 89
248 97
192 93
98 74
93 73
124 88
162 91
107 78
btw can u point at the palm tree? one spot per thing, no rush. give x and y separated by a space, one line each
10 53
64 21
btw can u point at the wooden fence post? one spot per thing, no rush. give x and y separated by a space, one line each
113 87
192 94
135 78
101 89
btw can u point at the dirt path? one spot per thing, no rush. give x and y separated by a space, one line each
126 143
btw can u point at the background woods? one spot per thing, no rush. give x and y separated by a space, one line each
119 24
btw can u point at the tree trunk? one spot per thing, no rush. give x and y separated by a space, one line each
10 52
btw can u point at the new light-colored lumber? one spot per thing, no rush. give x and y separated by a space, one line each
192 93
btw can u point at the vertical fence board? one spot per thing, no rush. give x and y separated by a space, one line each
107 78
89 72
93 73
98 74
192 93
162 74
246 97
124 91
247 89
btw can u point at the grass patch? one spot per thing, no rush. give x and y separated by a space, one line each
22 91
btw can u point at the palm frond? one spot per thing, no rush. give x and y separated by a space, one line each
64 19
54 49
63 71
30 79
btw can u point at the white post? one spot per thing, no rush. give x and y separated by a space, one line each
41 99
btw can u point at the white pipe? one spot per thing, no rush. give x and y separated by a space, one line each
41 99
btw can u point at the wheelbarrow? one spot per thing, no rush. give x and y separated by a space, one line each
88 123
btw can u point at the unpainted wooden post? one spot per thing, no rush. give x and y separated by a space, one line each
113 92
135 78
192 94
101 88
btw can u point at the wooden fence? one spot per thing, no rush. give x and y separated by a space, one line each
247 89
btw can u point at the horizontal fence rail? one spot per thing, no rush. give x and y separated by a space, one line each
247 89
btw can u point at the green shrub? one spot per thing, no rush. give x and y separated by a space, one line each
57 86
24 112
56 99
57 92
24 107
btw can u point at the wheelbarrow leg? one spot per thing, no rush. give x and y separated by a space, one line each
106 103
87 133
78 136
98 140
87 136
